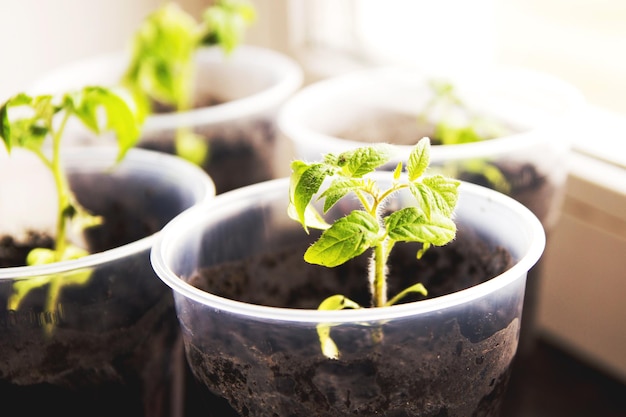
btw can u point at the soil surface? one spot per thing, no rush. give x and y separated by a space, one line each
455 365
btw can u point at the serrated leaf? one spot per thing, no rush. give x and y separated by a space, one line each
419 159
411 225
347 238
358 162
331 159
306 180
444 192
424 196
337 190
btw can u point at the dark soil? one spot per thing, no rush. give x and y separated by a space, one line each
450 365
241 152
112 350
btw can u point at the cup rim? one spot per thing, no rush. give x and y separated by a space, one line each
176 228
156 162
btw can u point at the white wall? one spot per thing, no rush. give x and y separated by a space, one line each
39 35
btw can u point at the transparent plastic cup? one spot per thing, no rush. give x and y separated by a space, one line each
250 326
237 97
97 335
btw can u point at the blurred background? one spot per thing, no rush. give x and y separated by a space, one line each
582 309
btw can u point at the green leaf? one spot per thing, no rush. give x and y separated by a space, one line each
347 238
337 190
450 134
120 118
444 191
306 180
338 302
398 171
41 256
5 127
191 146
31 126
411 225
227 22
419 159
358 162
162 60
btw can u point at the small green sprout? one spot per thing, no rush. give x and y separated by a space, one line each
456 124
29 122
429 221
162 67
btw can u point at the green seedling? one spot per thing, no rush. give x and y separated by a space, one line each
162 68
455 124
429 221
30 123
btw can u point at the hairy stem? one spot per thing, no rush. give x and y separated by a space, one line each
379 281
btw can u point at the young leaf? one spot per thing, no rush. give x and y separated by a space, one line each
306 180
397 173
411 225
455 135
444 192
419 158
337 190
163 49
347 238
358 162
30 129
226 23
120 118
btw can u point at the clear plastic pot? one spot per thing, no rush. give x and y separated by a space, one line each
250 324
245 89
97 335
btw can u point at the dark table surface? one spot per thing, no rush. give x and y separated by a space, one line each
548 380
